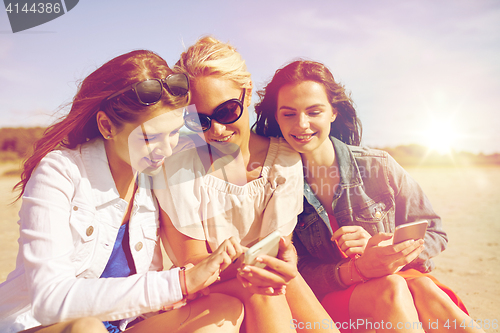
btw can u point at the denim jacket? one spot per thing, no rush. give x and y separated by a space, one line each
374 192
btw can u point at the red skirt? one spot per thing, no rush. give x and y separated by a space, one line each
337 303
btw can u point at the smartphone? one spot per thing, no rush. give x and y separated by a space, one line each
412 230
268 245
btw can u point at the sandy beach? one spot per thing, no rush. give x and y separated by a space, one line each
467 198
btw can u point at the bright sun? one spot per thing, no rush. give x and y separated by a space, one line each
440 136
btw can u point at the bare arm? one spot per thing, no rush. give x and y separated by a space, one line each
185 249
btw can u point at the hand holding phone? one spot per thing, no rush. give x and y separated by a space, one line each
268 245
414 230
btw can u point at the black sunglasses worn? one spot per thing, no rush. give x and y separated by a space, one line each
226 113
149 91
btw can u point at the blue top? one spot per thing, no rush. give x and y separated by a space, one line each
120 264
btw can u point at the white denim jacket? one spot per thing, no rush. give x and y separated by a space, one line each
69 220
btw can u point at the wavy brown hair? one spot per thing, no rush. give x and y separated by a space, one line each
80 124
346 127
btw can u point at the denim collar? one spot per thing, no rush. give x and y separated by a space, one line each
349 171
349 177
348 168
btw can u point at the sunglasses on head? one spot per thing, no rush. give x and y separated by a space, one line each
149 91
226 113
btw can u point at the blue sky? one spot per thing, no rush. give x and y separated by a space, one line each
418 70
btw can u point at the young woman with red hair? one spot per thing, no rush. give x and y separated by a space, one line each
89 252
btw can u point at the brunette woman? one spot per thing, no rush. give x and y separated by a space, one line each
354 197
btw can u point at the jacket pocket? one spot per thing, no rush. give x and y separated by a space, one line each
376 215
307 218
84 230
150 234
314 234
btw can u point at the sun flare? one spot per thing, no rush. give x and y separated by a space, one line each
440 136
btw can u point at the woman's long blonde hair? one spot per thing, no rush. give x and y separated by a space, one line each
209 56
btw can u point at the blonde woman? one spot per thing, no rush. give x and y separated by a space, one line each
237 184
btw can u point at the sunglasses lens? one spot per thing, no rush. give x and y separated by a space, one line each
178 84
149 91
196 122
228 113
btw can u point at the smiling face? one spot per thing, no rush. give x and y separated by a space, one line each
143 145
208 92
304 115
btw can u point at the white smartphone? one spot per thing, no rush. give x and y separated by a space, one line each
412 230
268 245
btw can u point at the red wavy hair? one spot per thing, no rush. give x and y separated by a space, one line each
80 124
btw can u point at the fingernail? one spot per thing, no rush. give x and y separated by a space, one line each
259 259
246 269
